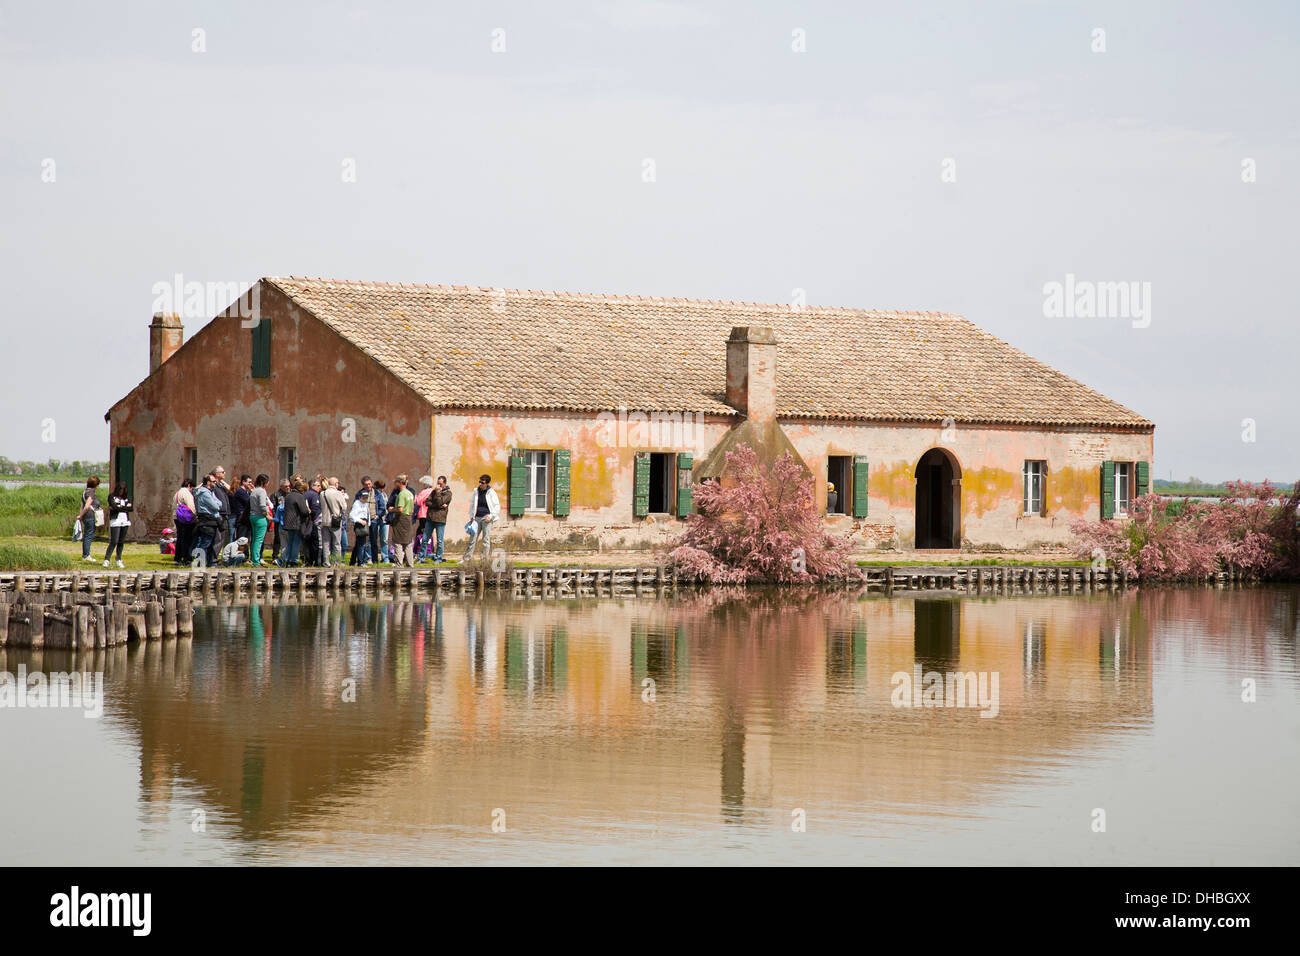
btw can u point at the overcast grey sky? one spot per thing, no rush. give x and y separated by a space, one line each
774 170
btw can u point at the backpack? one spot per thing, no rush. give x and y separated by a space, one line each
279 513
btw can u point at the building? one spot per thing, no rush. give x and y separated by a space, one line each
595 414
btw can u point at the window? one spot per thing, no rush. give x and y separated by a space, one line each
537 480
1035 472
261 334
662 482
1123 486
288 462
192 465
838 470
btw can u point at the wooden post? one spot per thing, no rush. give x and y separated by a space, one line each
153 620
101 626
4 623
169 617
83 635
36 615
185 616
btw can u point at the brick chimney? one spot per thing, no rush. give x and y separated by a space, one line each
165 336
751 372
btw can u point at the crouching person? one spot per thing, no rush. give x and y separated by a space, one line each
484 509
233 553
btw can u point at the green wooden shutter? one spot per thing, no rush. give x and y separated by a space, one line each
124 469
685 490
517 484
1108 489
561 509
641 485
1144 478
859 486
262 349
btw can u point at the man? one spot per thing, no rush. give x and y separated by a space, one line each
369 552
439 503
311 531
334 504
277 499
222 491
484 507
207 510
401 505
239 504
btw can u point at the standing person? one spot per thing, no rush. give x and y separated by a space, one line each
186 517
86 516
222 491
296 518
484 507
379 523
311 531
439 503
208 526
277 500
360 517
401 506
259 503
343 530
423 533
239 504
119 522
335 514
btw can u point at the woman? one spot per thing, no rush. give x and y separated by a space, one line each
86 516
119 522
424 529
296 519
184 515
259 509
360 516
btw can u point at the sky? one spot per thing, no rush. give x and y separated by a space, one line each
957 157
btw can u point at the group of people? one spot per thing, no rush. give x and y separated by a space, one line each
311 521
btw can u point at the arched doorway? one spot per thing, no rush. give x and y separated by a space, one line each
938 500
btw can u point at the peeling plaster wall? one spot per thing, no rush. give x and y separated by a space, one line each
991 460
469 444
205 397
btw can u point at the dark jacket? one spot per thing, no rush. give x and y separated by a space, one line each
239 502
118 505
296 512
223 496
439 502
313 502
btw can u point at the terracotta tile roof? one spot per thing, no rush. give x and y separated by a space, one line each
464 346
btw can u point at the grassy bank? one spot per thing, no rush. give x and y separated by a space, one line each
22 556
40 511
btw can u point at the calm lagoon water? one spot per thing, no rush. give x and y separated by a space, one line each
244 745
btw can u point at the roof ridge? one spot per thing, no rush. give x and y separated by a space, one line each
610 297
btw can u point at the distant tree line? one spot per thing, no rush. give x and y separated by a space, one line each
53 468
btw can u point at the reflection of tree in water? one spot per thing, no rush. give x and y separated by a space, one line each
756 646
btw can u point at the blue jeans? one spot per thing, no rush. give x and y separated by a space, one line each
206 541
441 528
87 533
292 546
379 541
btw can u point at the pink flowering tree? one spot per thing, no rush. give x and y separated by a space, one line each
1252 531
760 525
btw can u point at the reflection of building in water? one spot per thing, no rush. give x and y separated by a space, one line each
759 706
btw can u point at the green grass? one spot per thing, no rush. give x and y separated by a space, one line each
40 510
31 557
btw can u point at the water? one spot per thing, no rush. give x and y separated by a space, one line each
240 745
